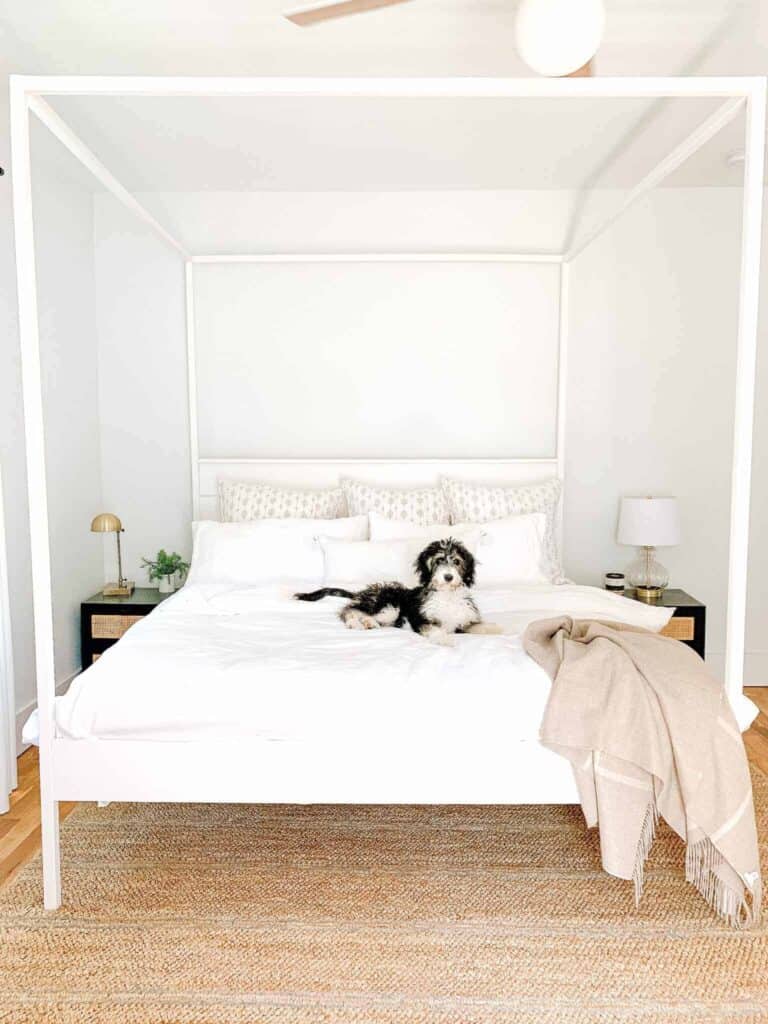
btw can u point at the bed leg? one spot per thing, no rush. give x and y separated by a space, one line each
49 823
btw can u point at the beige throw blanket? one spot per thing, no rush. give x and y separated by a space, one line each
650 732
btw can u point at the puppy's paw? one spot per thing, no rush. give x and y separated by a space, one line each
435 635
359 620
485 629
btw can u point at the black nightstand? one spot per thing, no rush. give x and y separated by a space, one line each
688 622
103 620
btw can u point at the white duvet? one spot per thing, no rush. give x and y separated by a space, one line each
221 661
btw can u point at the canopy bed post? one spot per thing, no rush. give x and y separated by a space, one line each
194 445
746 358
36 483
562 389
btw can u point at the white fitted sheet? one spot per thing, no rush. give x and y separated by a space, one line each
225 662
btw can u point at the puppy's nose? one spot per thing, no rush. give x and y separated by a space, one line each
448 577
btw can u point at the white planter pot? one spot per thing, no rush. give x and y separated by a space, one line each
166 585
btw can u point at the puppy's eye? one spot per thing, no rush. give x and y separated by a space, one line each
456 561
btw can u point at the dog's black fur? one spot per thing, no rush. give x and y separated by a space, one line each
439 606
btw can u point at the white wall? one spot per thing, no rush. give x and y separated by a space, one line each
64 230
12 448
652 363
63 216
402 360
142 388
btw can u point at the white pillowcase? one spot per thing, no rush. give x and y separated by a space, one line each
512 551
508 551
416 504
241 501
355 564
481 503
268 550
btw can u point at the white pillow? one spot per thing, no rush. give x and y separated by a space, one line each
512 551
356 564
268 550
241 501
416 504
481 503
508 551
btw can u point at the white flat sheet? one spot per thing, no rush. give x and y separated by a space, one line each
224 662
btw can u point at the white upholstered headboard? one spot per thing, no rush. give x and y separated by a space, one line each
392 472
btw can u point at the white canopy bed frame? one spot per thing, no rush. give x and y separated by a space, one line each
278 772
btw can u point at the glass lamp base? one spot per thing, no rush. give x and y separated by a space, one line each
647 576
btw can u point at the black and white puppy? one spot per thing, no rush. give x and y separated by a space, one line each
440 606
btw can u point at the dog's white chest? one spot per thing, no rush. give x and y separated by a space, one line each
450 609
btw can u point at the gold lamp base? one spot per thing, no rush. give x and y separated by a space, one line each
116 590
649 593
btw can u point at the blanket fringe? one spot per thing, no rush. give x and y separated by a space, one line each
702 859
644 844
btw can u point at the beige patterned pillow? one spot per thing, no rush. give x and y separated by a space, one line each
422 505
481 503
241 501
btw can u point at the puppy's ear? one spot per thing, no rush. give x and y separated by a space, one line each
422 566
469 567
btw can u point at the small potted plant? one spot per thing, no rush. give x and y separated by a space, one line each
166 569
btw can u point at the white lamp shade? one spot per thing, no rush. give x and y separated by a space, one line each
649 522
556 37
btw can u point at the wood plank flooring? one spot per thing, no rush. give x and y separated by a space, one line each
20 827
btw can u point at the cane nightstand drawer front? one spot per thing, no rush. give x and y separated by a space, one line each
112 627
681 628
689 618
104 620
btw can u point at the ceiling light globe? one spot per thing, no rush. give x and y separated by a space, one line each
557 37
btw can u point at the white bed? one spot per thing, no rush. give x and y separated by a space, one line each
318 712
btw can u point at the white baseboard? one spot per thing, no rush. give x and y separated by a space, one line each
23 713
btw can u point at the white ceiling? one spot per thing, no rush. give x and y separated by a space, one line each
351 144
423 37
347 144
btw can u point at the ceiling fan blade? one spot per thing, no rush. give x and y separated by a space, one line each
585 71
309 16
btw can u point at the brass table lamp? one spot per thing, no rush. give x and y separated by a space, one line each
106 522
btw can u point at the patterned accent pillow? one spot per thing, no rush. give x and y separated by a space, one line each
481 503
242 501
422 505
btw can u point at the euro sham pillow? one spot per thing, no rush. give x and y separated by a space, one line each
508 551
242 501
416 504
483 503
267 550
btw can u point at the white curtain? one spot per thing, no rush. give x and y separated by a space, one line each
7 702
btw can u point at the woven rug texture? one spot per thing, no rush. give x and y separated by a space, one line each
234 914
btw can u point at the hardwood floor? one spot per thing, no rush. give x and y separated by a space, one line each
20 827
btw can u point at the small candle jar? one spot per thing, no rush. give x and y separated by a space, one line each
614 581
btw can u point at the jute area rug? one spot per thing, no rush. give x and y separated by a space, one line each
334 915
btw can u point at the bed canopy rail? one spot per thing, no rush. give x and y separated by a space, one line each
28 95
